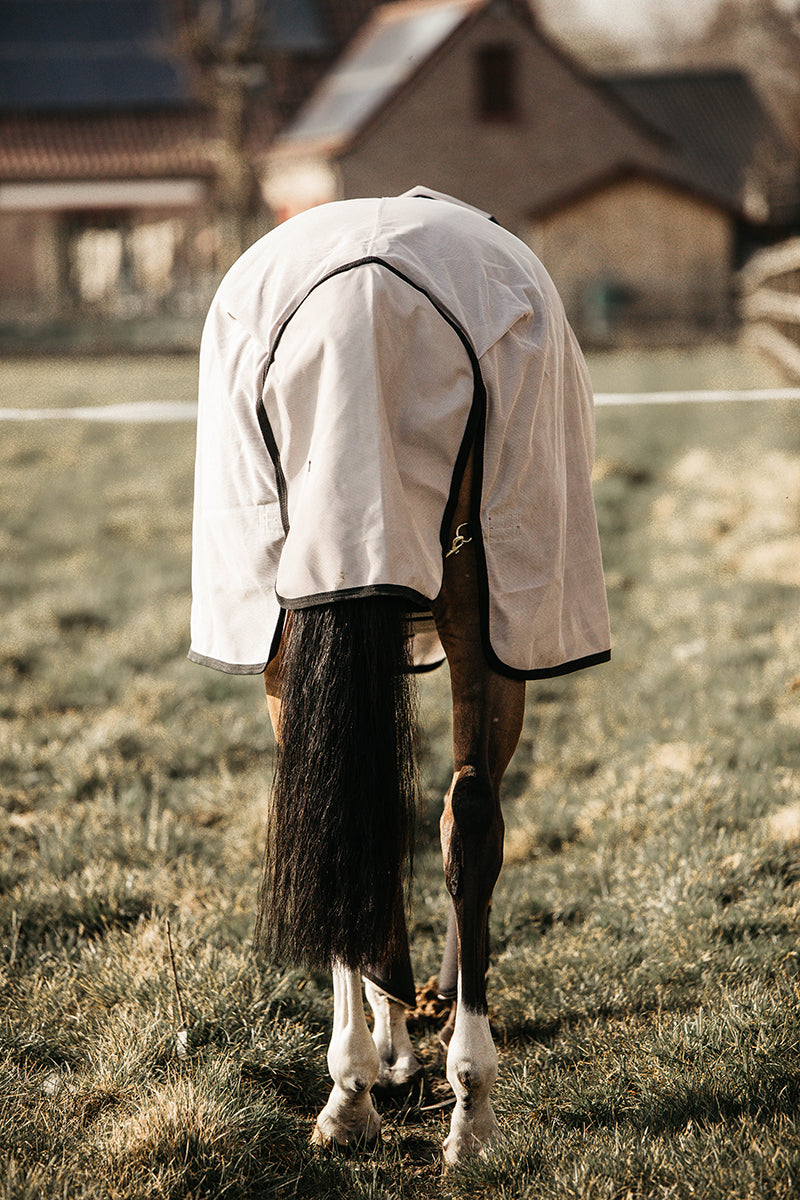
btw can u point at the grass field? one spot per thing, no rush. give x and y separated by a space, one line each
646 978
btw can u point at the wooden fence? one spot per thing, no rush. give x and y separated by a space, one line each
770 303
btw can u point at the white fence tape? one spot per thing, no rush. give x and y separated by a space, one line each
699 397
185 410
139 412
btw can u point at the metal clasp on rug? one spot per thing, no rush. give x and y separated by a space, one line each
460 539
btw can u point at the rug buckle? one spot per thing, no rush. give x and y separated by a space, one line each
460 539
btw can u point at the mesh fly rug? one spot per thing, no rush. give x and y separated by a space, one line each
350 362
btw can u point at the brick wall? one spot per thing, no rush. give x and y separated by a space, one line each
565 132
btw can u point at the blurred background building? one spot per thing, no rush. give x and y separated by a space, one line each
145 143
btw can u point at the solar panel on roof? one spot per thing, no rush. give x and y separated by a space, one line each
286 24
62 54
370 72
296 25
54 22
84 54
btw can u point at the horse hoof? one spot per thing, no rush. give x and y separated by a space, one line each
401 1082
332 1134
460 1146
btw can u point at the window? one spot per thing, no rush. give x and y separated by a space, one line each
495 77
95 255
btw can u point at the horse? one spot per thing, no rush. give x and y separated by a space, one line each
394 434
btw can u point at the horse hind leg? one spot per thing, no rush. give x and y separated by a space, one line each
390 990
448 980
488 710
472 837
353 1060
354 1065
400 1070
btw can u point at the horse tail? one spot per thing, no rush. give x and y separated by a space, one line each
337 863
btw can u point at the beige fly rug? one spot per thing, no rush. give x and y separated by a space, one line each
350 361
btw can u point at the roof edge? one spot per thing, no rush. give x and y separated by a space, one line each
382 16
629 170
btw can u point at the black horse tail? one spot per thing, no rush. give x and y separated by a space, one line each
337 863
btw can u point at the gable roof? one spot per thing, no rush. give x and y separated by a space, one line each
720 140
394 43
397 41
104 89
704 131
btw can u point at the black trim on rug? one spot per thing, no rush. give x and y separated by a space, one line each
277 635
416 599
272 450
228 668
474 437
426 668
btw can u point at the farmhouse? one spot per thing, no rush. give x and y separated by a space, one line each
141 149
128 138
639 193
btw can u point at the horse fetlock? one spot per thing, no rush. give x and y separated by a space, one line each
472 1068
472 1082
399 1070
465 1079
353 1059
357 1078
400 1075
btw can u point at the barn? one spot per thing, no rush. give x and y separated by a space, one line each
128 138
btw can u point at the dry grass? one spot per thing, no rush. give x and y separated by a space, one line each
646 976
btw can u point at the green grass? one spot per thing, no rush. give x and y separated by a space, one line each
646 980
